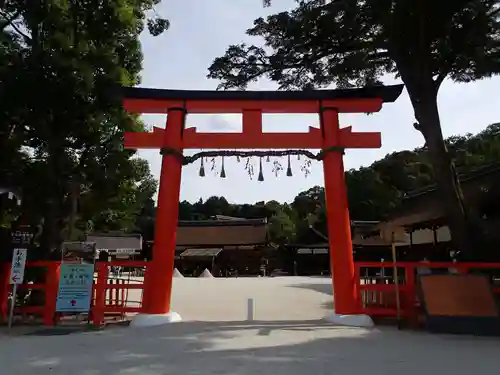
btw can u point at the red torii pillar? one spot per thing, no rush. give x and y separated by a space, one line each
338 221
160 272
175 138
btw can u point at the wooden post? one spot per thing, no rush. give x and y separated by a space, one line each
51 289
100 293
4 291
395 276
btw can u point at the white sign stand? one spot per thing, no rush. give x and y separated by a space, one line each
16 276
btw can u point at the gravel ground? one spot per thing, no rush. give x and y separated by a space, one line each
286 338
278 298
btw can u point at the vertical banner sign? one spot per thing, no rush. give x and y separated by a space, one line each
18 265
75 288
16 277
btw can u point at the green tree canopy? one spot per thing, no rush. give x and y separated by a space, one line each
60 127
351 43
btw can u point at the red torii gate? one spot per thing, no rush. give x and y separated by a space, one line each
252 104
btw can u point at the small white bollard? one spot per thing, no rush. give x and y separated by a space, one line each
250 309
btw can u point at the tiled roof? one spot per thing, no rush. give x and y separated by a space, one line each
113 241
214 234
388 94
222 223
478 175
423 209
200 253
225 217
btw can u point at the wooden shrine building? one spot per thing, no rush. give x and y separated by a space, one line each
225 246
117 245
313 258
422 216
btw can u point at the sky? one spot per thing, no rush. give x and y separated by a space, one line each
201 30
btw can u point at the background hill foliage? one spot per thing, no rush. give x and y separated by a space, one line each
373 192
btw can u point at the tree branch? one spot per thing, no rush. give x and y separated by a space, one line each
10 22
440 78
494 12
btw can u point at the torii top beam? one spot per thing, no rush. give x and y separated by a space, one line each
252 104
366 99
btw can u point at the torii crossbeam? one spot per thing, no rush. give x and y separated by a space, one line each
252 105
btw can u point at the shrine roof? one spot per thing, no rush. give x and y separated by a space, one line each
422 209
222 223
201 253
388 94
480 175
218 233
115 241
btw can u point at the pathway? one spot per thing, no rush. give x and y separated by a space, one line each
292 343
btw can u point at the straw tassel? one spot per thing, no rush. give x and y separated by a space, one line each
202 169
289 168
222 171
261 175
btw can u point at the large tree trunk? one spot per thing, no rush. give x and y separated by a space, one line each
54 216
73 198
459 218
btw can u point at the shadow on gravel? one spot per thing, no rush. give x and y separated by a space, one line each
55 331
320 288
73 329
246 348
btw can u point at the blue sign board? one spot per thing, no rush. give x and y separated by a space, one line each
75 288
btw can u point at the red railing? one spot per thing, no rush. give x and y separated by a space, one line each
48 286
376 284
109 295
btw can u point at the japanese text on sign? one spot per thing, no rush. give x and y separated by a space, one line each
75 287
18 265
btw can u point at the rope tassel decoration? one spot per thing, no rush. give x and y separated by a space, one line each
209 159
202 169
289 168
223 171
261 175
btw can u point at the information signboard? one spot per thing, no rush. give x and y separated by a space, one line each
21 237
75 288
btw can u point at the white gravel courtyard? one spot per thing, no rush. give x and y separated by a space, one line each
278 298
287 337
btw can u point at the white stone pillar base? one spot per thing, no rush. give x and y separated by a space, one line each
151 320
360 320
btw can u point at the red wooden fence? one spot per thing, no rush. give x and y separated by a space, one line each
108 294
377 292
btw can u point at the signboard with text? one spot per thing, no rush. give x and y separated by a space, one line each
75 288
21 237
78 252
18 266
